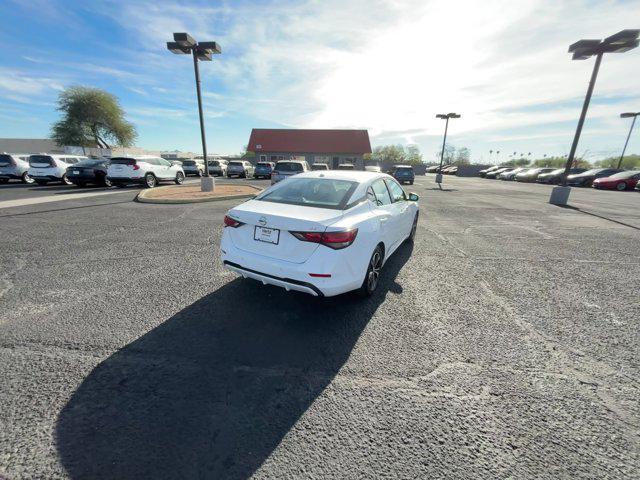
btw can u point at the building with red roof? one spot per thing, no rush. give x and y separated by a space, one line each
333 147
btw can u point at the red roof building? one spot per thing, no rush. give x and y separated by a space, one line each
333 147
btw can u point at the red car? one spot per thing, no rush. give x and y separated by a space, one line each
620 181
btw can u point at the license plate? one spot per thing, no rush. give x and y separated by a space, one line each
76 172
268 235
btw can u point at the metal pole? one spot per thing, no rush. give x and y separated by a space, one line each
446 126
204 140
583 115
625 143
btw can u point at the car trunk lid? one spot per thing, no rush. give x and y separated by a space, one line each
281 220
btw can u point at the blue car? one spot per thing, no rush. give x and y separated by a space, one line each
263 170
404 174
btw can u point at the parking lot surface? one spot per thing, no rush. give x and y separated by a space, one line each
503 344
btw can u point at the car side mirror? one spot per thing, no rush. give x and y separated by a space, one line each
413 197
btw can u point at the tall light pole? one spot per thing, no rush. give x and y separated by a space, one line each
627 115
444 116
622 41
184 44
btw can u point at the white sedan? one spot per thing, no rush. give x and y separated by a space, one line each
323 233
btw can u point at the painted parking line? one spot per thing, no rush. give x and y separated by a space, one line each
21 202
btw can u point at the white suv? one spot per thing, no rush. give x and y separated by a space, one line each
44 168
14 166
144 169
288 168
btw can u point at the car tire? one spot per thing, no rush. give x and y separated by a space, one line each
106 182
414 227
372 277
150 180
179 178
621 186
42 182
411 182
26 178
65 180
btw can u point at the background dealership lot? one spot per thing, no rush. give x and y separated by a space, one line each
504 343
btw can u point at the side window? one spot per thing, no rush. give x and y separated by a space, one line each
263 158
397 193
163 163
381 192
151 161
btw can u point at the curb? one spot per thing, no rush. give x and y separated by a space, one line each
141 197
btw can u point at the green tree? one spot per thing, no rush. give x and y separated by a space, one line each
516 162
630 162
413 155
91 117
387 154
463 156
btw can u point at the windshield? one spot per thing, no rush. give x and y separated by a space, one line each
188 163
405 170
235 164
214 163
41 160
6 160
319 166
593 171
311 192
90 163
345 167
625 174
263 165
289 167
123 161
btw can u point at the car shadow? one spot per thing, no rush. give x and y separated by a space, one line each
213 390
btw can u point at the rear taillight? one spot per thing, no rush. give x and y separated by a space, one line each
335 240
231 222
136 166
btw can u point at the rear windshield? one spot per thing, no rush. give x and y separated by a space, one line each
262 164
405 169
311 192
92 162
123 161
189 163
41 160
6 160
320 166
289 167
237 164
214 163
345 167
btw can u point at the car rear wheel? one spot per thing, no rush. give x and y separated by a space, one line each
66 181
150 180
179 178
106 182
372 276
621 186
26 178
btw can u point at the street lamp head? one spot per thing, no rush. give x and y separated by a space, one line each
623 37
211 47
184 39
629 114
454 115
176 48
442 116
622 41
204 55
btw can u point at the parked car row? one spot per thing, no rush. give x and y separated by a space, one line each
446 169
602 178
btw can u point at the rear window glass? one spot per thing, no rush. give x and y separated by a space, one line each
6 160
189 163
41 160
263 164
123 161
236 164
289 167
345 167
92 162
214 163
311 192
320 166
404 169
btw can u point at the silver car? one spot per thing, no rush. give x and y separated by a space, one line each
193 167
218 167
14 166
240 168
288 168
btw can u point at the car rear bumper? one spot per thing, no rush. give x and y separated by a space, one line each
295 276
126 180
51 178
88 178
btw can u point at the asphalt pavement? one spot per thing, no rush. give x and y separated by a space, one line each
503 343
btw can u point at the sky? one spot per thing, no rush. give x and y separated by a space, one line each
388 66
